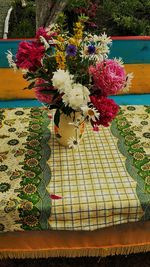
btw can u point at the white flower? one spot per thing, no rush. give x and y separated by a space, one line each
11 62
101 48
77 122
77 96
90 113
73 143
62 80
119 61
24 71
128 82
105 39
43 40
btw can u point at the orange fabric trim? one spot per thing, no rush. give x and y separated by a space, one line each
117 237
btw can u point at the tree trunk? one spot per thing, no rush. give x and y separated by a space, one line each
47 12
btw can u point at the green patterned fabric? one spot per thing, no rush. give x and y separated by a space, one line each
132 128
24 174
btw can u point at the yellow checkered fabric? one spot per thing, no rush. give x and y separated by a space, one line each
96 189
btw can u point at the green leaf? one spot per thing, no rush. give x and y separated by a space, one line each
44 84
48 92
30 86
58 135
57 117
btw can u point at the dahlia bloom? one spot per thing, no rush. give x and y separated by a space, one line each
107 108
77 96
62 80
108 76
42 97
29 56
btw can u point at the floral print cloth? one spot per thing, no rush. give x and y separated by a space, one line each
24 173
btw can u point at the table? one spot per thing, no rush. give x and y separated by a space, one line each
34 167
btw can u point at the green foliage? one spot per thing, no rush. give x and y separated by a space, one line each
124 17
22 20
77 3
115 17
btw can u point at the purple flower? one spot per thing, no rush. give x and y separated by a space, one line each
91 49
71 50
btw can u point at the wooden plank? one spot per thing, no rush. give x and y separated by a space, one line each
12 84
4 47
141 80
130 50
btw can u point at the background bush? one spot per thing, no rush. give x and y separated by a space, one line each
115 17
22 20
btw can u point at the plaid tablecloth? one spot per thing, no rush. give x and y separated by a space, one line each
105 182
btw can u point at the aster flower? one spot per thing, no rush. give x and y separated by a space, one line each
104 39
73 143
91 49
71 50
90 113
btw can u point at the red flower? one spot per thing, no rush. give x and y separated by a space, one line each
44 32
55 197
107 108
109 76
29 55
43 97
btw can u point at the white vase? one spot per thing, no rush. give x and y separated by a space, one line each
69 129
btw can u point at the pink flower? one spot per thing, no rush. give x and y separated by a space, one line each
29 55
42 97
44 32
107 108
109 76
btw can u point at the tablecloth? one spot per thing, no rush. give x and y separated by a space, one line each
105 182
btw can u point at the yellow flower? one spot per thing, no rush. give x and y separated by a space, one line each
79 25
60 39
60 59
72 41
78 32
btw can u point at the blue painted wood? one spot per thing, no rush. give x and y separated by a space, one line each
4 47
132 99
120 100
20 103
131 51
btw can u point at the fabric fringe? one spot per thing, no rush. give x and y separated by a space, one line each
71 253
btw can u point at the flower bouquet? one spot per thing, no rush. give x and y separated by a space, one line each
72 74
